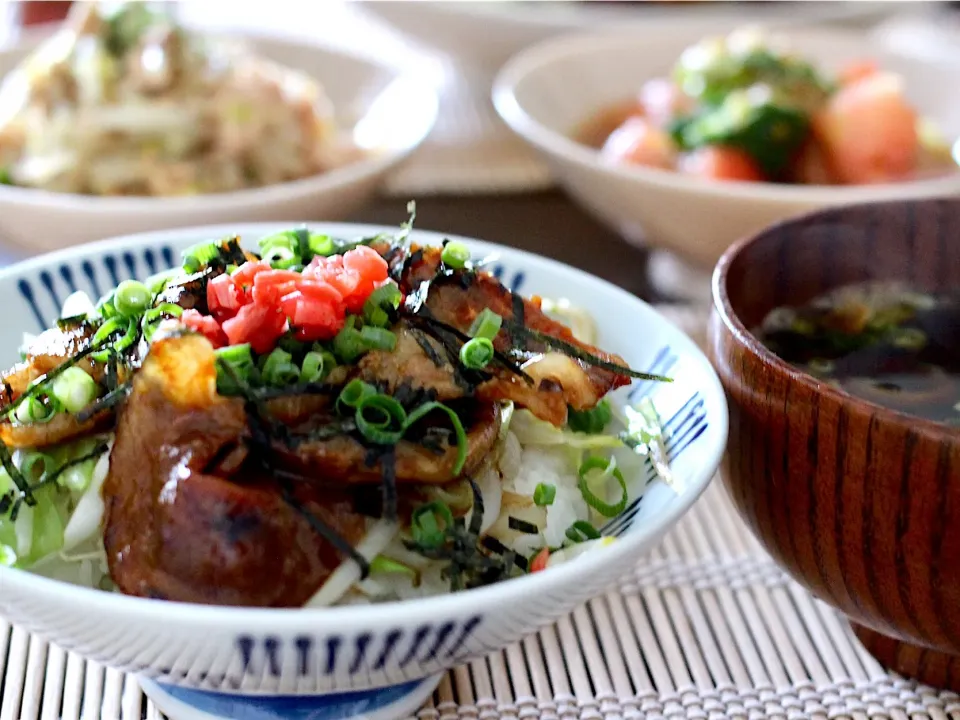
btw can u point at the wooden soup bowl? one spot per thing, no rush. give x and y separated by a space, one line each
858 503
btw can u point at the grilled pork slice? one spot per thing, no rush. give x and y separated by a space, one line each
426 346
198 511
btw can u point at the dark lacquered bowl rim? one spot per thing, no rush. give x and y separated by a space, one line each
747 340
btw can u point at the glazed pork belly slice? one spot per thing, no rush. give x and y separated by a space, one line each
191 513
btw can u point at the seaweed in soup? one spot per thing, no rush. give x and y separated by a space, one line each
884 342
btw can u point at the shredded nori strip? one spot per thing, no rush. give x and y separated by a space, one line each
269 393
519 318
476 519
34 387
112 398
580 354
424 342
14 472
52 478
388 466
522 526
5 502
428 322
262 425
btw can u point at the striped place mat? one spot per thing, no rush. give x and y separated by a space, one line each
707 627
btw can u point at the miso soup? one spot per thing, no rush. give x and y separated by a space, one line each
883 342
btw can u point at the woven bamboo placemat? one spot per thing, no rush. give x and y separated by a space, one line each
706 627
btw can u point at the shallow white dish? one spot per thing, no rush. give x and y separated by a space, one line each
547 90
390 112
385 657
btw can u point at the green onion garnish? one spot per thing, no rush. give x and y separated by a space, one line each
425 524
240 360
154 316
486 324
581 531
477 353
281 258
321 245
375 338
132 298
593 421
610 469
353 393
196 256
131 329
279 370
34 410
381 419
385 565
348 344
8 556
544 494
457 428
374 309
74 389
455 255
316 365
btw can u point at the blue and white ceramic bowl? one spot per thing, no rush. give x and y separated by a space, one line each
378 660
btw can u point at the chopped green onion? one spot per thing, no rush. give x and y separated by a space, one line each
279 370
455 254
316 366
240 360
74 389
486 324
461 434
321 244
374 312
581 531
34 410
8 556
375 338
131 332
158 282
384 565
77 477
593 421
477 353
609 468
544 494
348 344
154 316
35 464
354 393
196 256
425 524
381 419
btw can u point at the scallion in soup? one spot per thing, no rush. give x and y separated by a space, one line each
881 341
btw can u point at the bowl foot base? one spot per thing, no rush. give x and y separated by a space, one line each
931 667
388 703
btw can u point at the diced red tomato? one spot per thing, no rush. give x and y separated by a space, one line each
224 297
639 142
315 310
255 304
540 560
868 131
270 286
858 71
722 163
259 325
245 273
205 325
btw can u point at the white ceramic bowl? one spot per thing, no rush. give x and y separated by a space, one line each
482 36
546 91
209 657
390 112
